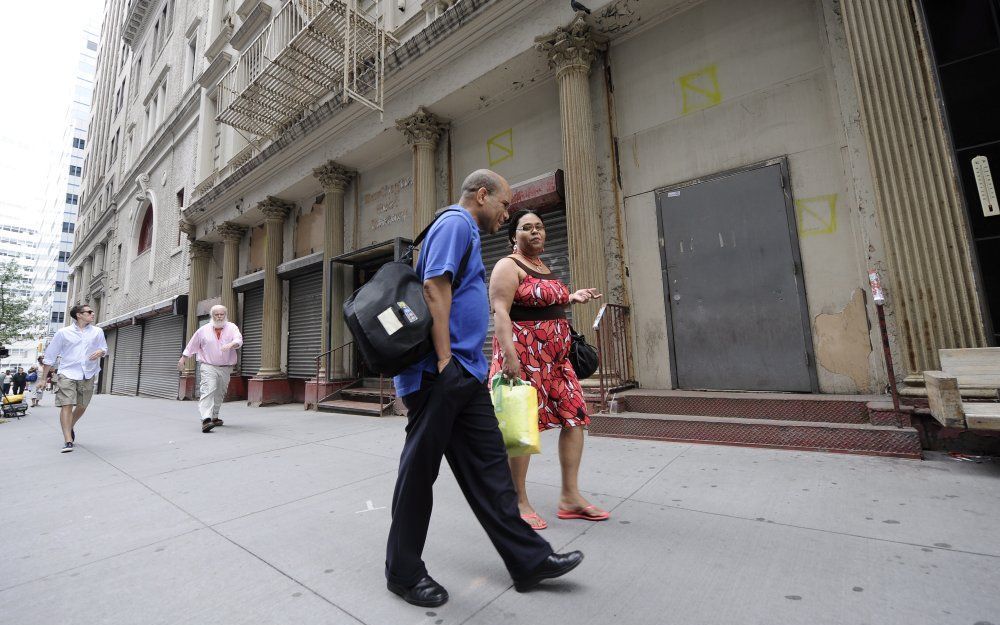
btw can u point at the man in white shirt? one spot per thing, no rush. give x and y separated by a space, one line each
215 345
79 348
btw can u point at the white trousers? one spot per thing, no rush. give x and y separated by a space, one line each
214 383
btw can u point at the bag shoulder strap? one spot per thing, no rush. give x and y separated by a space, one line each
408 256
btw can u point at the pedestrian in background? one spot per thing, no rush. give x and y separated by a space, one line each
7 381
79 348
215 346
450 412
32 381
20 379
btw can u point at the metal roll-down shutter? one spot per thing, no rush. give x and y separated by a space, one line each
253 331
162 343
125 374
305 318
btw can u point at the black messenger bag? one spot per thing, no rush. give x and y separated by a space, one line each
388 316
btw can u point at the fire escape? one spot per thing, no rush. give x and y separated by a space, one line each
311 48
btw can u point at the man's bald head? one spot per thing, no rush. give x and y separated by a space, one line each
482 179
486 195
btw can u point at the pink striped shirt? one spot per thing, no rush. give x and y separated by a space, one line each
208 348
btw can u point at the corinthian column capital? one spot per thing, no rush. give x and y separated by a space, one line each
423 127
199 249
333 176
275 209
573 46
230 231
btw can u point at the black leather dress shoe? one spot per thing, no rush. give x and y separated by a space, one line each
553 566
426 593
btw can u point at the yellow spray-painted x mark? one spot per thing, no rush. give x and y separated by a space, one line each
700 89
500 147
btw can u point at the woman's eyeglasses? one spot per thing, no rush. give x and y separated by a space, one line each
538 228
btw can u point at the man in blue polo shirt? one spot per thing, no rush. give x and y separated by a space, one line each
450 412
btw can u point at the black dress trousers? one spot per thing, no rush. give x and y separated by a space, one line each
452 415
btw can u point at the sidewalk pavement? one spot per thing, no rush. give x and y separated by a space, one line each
280 516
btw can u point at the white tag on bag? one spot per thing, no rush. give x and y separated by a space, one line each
389 321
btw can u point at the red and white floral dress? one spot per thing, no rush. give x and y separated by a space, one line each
542 341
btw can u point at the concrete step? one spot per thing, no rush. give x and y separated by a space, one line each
368 394
347 406
374 383
850 438
774 406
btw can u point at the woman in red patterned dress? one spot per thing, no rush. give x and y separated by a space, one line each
532 342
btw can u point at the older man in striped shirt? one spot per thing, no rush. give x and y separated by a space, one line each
215 345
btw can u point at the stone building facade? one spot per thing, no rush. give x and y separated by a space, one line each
726 172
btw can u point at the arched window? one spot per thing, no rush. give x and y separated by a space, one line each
146 232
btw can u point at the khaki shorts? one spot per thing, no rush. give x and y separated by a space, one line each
74 392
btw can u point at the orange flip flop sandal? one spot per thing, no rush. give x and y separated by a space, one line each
600 515
534 521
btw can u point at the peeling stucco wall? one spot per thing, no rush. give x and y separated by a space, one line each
843 346
255 255
309 230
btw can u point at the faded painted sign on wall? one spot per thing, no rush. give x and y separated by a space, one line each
384 204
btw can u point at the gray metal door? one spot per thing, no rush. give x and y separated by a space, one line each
125 373
305 316
162 342
253 331
733 282
555 256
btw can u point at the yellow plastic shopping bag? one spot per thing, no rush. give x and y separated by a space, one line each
516 405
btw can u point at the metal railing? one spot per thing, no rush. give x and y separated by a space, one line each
323 374
308 50
613 349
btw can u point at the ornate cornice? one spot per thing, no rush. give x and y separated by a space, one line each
423 127
572 46
275 208
333 176
230 231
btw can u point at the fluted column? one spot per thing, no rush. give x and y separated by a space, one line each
199 253
423 130
334 178
71 288
571 50
918 202
99 256
232 234
275 211
88 268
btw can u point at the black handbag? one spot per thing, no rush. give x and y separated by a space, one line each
582 355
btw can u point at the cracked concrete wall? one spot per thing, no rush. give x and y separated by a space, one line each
724 85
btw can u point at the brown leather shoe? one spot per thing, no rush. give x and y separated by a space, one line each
206 426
